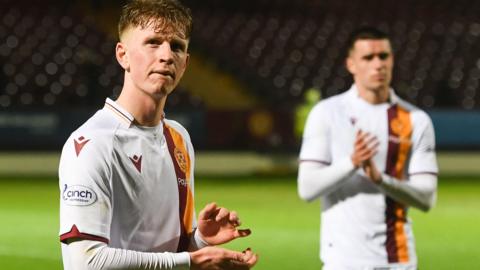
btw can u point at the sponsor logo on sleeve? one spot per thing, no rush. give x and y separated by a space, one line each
78 195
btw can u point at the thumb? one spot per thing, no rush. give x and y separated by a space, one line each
242 233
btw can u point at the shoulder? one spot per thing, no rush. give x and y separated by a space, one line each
178 128
413 110
331 104
94 138
420 119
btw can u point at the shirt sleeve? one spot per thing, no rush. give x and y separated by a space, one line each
423 159
316 137
85 193
88 254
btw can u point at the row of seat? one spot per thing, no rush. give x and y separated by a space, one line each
53 56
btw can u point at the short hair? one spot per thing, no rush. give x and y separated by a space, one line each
161 14
365 32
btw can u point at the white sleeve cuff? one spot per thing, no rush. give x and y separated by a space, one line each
198 241
182 260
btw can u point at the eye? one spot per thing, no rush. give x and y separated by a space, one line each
383 56
177 46
153 42
368 57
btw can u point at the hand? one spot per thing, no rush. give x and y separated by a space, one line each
215 258
218 225
365 148
372 172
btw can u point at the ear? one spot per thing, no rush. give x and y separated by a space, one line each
350 64
186 60
122 57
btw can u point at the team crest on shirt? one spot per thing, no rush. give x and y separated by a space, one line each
396 126
181 160
78 195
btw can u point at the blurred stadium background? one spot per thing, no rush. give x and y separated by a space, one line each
242 99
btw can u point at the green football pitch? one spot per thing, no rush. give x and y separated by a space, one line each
285 230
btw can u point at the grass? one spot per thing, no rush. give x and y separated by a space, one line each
285 230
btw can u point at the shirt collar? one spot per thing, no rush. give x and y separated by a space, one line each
123 115
392 98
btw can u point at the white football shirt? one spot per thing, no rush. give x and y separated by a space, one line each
125 185
360 225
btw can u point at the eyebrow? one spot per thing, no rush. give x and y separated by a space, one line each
170 37
381 55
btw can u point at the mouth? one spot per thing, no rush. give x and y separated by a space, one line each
379 77
165 73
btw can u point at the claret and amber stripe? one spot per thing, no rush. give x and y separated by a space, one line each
399 144
181 162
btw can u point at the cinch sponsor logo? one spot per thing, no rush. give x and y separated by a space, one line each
78 195
182 182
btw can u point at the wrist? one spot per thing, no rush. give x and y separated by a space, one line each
199 241
355 162
378 180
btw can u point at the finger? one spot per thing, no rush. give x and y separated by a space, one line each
222 213
250 258
363 141
242 233
368 147
371 140
359 133
234 218
208 211
372 151
367 155
253 260
247 254
233 255
363 135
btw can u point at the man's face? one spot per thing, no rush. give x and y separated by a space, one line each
154 60
371 62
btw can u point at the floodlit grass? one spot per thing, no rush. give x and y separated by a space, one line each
285 230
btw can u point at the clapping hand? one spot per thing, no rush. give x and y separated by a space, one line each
218 225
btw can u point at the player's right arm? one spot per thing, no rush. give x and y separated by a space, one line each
317 176
89 255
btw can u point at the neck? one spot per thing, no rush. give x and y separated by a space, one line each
146 110
374 96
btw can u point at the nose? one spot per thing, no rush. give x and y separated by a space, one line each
165 53
378 62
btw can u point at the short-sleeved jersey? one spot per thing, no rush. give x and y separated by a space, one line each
126 185
360 225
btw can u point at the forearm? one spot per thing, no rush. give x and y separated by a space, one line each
94 255
315 179
419 191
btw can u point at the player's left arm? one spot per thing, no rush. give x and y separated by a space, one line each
420 189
